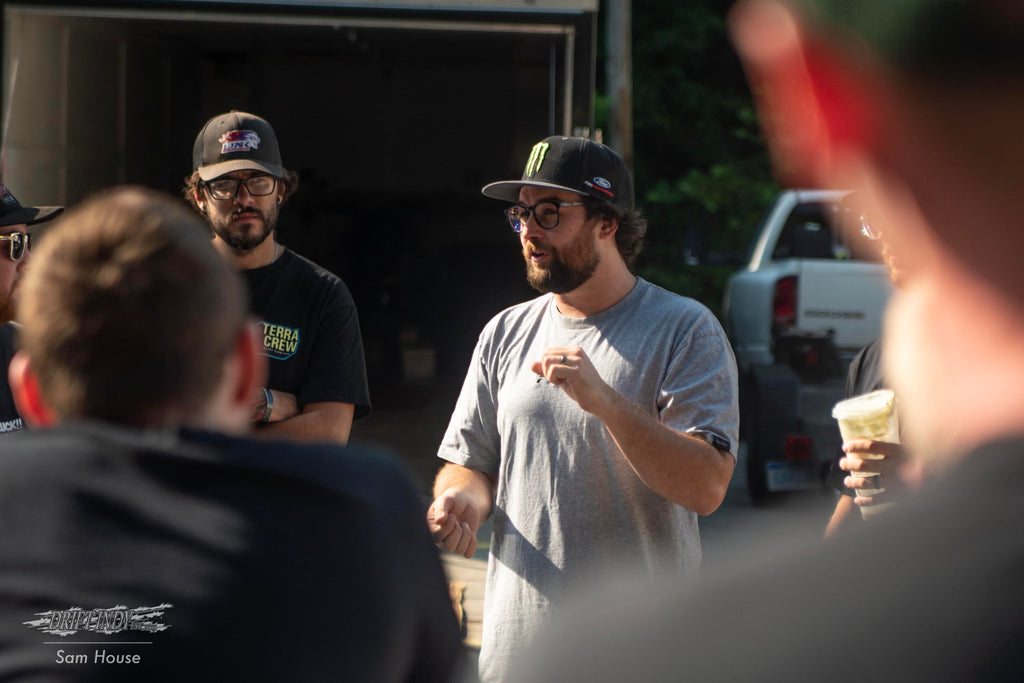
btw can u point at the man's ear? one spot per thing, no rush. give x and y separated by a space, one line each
197 194
25 389
252 367
607 227
813 105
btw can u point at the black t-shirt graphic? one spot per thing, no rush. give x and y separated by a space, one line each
308 329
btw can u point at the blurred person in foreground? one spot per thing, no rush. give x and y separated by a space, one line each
15 255
596 421
145 538
919 103
866 497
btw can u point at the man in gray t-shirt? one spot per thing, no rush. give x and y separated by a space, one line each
596 421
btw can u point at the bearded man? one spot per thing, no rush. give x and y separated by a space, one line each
597 421
308 324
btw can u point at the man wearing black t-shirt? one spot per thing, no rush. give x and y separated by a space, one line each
14 257
144 538
863 377
307 322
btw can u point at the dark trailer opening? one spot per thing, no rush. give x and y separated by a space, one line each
393 113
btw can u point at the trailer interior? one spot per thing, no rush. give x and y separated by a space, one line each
393 114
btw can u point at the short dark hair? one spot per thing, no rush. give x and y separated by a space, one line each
193 181
129 312
629 237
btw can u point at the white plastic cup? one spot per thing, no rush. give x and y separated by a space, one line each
869 416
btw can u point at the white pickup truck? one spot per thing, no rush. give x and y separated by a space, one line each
811 295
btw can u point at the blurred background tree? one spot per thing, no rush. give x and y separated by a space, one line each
702 172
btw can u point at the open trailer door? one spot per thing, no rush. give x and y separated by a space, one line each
394 114
102 93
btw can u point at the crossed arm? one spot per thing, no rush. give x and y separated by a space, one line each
323 421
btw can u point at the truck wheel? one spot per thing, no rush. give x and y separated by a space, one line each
769 411
757 483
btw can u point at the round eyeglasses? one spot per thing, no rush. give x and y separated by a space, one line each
256 186
545 213
18 242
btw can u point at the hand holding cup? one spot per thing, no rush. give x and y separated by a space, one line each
872 466
871 422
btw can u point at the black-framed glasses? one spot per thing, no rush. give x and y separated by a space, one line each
546 214
19 243
256 186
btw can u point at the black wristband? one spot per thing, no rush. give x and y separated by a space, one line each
715 440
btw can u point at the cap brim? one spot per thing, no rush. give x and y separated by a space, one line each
509 189
217 170
30 215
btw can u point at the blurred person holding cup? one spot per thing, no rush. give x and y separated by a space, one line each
869 487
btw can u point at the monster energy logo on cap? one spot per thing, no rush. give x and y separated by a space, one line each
536 158
575 165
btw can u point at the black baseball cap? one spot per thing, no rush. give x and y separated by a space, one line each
236 141
13 213
574 164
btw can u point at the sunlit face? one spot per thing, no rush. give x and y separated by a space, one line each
892 263
10 274
914 365
243 222
564 258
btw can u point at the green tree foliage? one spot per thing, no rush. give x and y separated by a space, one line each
702 172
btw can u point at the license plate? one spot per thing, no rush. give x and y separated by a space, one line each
787 476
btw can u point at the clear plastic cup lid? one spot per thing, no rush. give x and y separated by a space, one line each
864 405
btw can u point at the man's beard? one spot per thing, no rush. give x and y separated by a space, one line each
567 270
243 241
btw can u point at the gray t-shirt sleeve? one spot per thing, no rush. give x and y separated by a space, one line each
472 438
699 389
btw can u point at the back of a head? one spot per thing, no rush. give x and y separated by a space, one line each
129 312
931 90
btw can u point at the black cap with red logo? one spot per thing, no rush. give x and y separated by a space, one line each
236 141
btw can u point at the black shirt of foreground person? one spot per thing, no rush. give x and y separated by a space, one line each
207 557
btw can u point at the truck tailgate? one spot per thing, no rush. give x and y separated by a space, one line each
847 297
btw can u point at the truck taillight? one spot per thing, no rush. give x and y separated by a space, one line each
797 449
784 308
